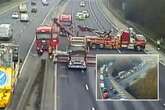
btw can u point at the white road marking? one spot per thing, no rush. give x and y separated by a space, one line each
93 108
55 88
86 86
119 51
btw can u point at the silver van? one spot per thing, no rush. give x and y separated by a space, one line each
6 32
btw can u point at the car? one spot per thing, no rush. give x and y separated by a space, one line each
86 14
105 93
15 15
101 77
80 16
101 84
34 10
33 2
24 17
82 4
45 2
6 32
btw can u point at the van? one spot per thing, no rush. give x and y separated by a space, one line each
24 17
6 32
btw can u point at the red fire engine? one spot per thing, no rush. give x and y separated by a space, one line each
126 39
47 39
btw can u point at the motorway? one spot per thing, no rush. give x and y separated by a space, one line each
72 93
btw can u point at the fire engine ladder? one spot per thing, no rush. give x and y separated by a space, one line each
63 27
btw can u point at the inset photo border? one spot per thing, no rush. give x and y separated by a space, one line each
127 77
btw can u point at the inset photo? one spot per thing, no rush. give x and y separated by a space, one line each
127 77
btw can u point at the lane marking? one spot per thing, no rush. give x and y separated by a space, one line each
118 51
55 88
93 108
86 86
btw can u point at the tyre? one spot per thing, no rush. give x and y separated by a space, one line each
138 48
93 46
101 46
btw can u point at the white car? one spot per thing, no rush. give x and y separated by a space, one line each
101 77
80 16
24 17
86 14
82 4
45 2
15 15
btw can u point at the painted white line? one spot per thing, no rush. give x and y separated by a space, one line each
55 88
162 63
34 41
119 51
93 108
86 86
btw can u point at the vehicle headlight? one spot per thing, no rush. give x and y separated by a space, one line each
84 63
70 62
38 48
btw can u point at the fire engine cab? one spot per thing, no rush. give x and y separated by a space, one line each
47 39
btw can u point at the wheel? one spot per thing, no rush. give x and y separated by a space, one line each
101 46
93 46
39 53
139 48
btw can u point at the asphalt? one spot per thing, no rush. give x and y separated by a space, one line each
71 91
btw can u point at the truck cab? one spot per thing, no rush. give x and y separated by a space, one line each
23 8
129 39
46 39
65 20
77 53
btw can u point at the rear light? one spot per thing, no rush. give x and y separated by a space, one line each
43 41
54 40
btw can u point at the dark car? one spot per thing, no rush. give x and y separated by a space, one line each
34 10
33 2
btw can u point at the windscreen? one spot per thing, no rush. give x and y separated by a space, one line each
43 36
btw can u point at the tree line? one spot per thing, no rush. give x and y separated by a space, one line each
148 13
